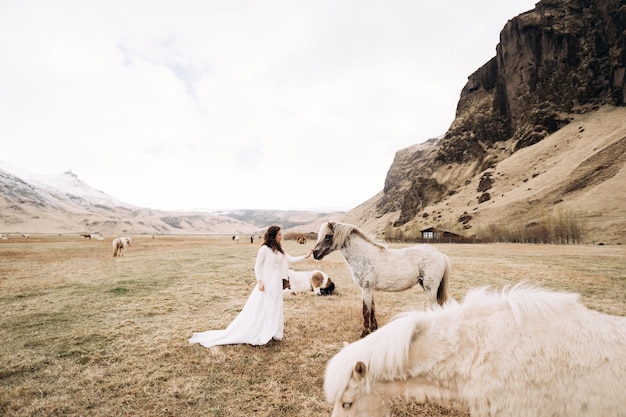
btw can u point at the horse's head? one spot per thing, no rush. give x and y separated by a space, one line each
325 240
328 289
358 399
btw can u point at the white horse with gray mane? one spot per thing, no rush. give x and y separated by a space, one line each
374 267
520 352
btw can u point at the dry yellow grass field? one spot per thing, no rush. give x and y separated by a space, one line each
83 333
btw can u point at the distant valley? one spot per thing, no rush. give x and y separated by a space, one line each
33 203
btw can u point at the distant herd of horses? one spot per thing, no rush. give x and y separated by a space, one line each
23 235
236 239
96 236
300 239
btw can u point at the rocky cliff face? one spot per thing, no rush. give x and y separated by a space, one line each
564 58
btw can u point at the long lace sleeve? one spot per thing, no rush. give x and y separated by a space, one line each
260 261
294 259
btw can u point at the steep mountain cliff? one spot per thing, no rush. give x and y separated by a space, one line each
560 73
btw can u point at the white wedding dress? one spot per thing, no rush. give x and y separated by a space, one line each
260 320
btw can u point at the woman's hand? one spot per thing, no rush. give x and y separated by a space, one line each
308 253
261 286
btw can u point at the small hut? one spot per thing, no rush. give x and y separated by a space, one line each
433 233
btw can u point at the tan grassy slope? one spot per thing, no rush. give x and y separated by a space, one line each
579 168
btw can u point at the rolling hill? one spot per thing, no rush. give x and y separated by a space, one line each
62 203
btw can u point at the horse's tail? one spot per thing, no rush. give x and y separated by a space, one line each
442 290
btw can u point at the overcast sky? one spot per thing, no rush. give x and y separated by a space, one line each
259 104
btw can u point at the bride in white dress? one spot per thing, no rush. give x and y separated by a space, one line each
261 318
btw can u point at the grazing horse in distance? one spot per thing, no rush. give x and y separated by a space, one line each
301 240
118 247
374 267
519 352
126 241
86 235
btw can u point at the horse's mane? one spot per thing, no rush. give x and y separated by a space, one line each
386 351
343 230
385 354
523 299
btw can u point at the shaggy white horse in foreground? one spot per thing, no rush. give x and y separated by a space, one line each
516 353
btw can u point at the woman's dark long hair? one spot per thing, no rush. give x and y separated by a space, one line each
270 239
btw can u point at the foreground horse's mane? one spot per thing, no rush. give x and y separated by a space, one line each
386 351
523 300
343 230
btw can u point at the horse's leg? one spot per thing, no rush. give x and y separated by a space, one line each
442 290
435 282
373 322
437 291
369 317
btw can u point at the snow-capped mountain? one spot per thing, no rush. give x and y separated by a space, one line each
66 183
62 203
